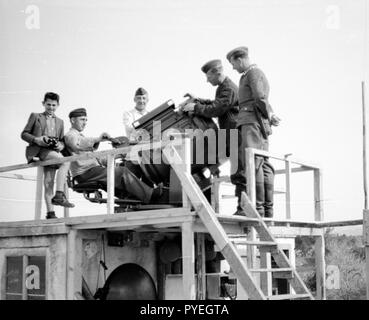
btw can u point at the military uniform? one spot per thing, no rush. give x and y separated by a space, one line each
225 107
253 89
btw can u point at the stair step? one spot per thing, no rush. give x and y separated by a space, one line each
289 296
272 270
256 243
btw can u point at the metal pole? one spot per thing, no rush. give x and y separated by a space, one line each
365 211
364 147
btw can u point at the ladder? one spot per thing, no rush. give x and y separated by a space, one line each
267 242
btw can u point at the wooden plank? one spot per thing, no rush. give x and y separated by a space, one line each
32 231
294 170
39 190
318 195
110 182
92 155
129 216
132 224
200 267
272 270
289 297
188 260
320 267
18 176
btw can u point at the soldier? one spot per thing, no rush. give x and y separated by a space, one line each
225 105
255 118
141 99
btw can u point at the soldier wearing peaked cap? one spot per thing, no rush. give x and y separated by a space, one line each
141 99
253 125
225 104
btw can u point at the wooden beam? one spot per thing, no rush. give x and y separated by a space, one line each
188 261
320 267
39 190
66 192
282 158
92 155
266 277
251 191
18 176
288 189
110 182
31 231
200 266
318 195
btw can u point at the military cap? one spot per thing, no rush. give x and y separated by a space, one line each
239 50
212 64
80 112
140 92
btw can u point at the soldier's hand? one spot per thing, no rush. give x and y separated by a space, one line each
105 136
274 120
190 96
189 107
40 141
59 146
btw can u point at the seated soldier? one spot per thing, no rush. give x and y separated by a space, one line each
90 170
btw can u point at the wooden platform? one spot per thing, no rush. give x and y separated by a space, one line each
166 220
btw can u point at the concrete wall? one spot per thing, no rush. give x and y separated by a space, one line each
53 247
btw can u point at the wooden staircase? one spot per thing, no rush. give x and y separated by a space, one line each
228 249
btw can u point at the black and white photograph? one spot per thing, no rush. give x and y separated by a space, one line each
202 151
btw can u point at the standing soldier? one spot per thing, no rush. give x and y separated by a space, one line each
225 105
141 99
255 118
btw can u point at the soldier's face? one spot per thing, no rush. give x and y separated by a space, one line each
141 102
79 123
237 64
212 78
50 106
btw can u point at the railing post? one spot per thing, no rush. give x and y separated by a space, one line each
186 158
288 189
318 194
111 184
251 192
39 190
66 192
188 260
319 240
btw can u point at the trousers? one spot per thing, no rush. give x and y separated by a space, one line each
249 136
126 183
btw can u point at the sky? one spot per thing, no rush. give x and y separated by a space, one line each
95 54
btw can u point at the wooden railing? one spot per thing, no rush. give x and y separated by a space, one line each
110 157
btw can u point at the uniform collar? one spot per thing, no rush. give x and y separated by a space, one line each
252 66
